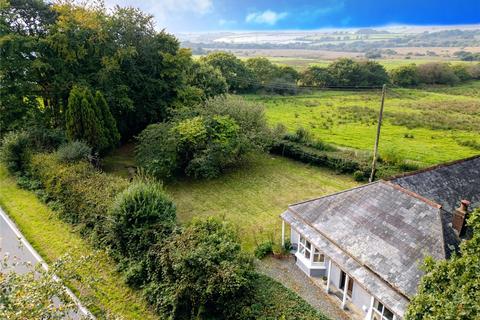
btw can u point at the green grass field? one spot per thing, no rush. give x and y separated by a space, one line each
252 197
53 238
389 64
426 126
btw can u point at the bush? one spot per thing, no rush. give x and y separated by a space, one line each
264 249
359 176
201 272
140 216
73 152
156 150
45 139
15 151
204 142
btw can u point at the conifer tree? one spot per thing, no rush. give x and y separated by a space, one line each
81 120
109 122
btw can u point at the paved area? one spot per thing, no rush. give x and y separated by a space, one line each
286 272
13 244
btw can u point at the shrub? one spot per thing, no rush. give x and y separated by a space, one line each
359 176
46 139
201 272
15 151
141 215
73 152
264 249
156 150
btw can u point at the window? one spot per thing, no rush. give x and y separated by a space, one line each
305 247
318 257
309 252
380 312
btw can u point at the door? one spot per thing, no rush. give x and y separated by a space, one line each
350 287
343 277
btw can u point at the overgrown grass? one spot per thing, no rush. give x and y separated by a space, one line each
53 238
254 196
423 126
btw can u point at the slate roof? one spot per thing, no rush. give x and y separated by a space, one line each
446 184
381 232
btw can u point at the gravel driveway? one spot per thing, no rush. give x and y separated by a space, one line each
287 273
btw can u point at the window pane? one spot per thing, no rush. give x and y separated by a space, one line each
387 314
378 306
322 258
309 245
302 239
307 254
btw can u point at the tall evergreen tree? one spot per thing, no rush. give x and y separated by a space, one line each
81 120
109 123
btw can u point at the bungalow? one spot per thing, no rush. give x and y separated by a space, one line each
368 242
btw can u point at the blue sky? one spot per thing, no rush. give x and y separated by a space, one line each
215 15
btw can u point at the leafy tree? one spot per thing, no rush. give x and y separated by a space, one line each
346 72
462 72
237 75
208 79
405 76
23 24
263 69
450 289
201 272
373 74
316 76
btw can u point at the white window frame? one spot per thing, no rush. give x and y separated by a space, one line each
381 313
306 248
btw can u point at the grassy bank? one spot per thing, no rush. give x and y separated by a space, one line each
53 238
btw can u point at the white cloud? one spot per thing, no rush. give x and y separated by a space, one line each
266 17
224 22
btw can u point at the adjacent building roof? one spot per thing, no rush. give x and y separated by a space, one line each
381 232
446 184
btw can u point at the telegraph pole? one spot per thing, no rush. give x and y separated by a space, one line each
377 139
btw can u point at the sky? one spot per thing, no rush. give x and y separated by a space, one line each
243 15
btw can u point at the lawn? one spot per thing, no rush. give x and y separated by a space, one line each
252 196
53 238
426 126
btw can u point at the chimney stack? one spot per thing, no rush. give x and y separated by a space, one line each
460 216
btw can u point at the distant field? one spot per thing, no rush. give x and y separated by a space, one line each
425 126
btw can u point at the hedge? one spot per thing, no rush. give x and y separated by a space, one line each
332 160
84 193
